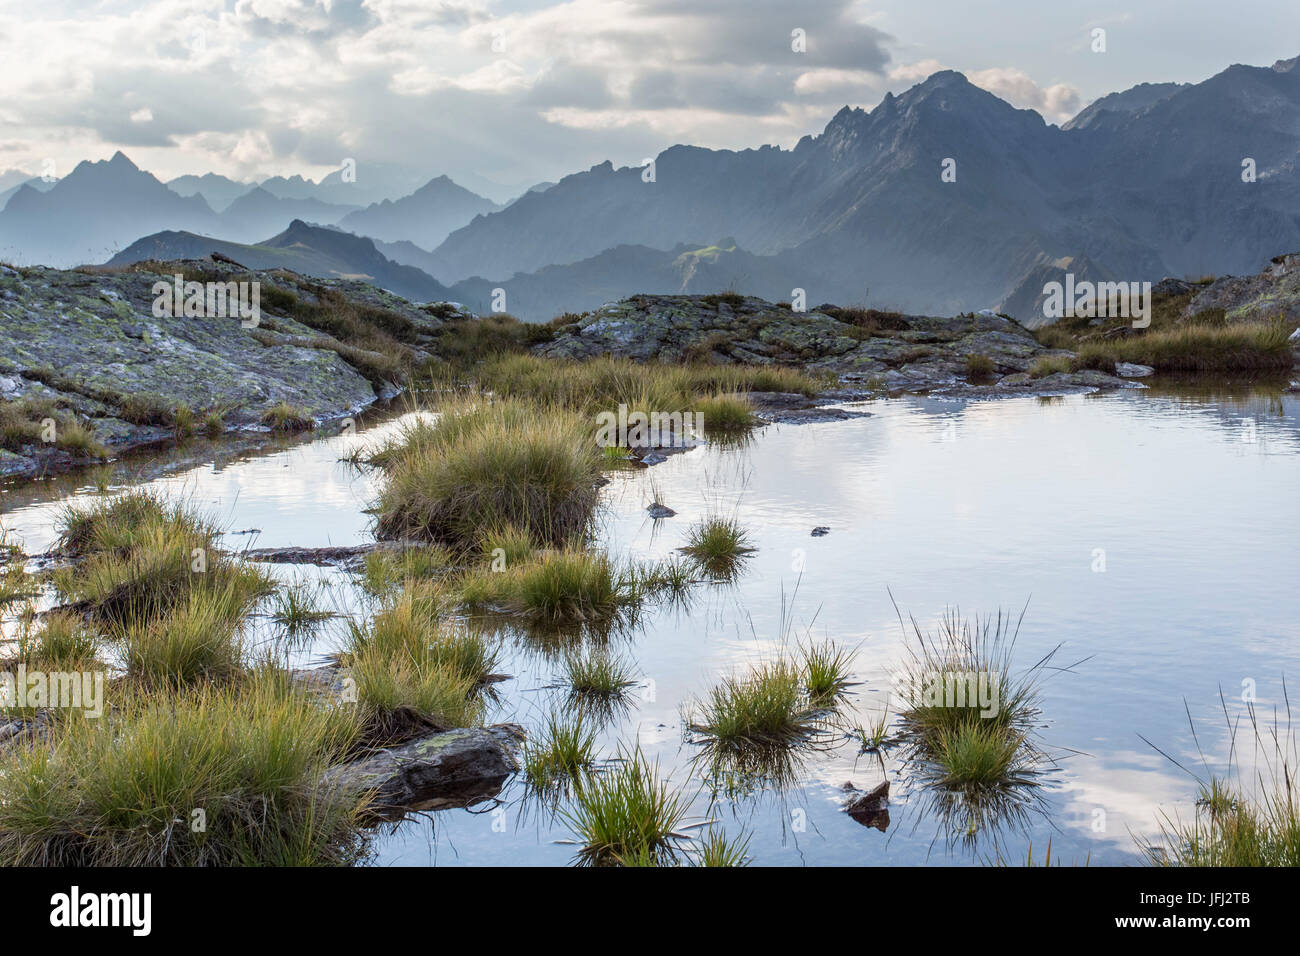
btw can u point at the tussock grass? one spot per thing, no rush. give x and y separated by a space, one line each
415 670
286 417
1241 819
467 342
128 789
728 412
971 745
384 571
1051 365
198 638
602 384
142 557
673 577
15 583
62 642
768 705
562 751
976 755
596 673
718 545
1243 347
626 813
568 586
874 735
507 547
491 465
415 626
23 423
980 367
295 608
716 850
826 671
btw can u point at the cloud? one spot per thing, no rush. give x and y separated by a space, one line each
510 91
1056 103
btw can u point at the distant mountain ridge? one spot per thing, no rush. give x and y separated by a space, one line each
426 217
303 248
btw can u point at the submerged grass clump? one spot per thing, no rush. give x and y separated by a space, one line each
968 717
295 608
825 671
142 558
626 813
415 670
63 641
718 545
776 703
596 673
563 751
558 587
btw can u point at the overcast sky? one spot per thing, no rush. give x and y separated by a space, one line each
518 91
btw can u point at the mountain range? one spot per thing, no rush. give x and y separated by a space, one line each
941 199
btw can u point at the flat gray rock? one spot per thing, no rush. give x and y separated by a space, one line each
454 768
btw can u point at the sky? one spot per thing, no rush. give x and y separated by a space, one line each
514 92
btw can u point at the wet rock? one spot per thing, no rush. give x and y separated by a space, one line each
657 510
820 531
871 809
1133 370
454 768
807 416
349 557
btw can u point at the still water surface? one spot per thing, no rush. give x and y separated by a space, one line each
1151 534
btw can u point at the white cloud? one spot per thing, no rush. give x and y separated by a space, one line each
1056 103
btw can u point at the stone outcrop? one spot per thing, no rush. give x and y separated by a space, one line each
1272 294
84 338
885 351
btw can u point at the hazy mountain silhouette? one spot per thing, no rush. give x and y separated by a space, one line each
425 218
217 190
302 248
93 211
259 213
